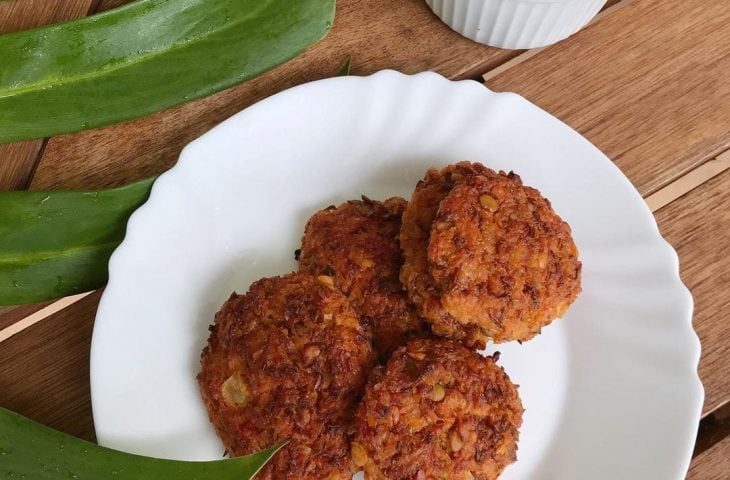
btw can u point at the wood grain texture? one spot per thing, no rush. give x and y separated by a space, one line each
24 14
40 315
17 160
698 226
45 370
377 34
713 428
647 84
11 315
712 450
688 182
109 4
608 9
713 464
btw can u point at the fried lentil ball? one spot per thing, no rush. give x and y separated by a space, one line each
486 257
356 244
502 259
437 411
287 361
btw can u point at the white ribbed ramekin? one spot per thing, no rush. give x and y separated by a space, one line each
516 23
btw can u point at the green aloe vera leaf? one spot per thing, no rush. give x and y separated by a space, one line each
58 243
32 451
145 57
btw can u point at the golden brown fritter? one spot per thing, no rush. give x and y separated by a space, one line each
485 256
502 259
437 411
356 244
287 361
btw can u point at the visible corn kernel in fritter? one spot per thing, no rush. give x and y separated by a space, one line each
287 361
485 257
356 247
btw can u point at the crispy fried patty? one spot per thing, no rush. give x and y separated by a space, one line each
437 411
356 244
485 256
287 361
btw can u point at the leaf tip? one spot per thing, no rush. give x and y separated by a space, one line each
344 70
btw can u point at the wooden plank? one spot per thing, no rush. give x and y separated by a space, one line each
713 428
377 34
688 182
11 315
712 464
16 163
647 84
40 315
17 160
697 225
24 14
525 55
711 457
109 4
45 370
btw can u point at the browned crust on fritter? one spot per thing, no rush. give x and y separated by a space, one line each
502 259
437 411
414 236
357 245
486 257
287 361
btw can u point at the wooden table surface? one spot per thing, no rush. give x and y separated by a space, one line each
648 82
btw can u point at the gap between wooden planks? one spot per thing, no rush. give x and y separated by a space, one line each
689 181
655 201
40 315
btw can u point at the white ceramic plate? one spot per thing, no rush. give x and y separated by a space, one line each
611 391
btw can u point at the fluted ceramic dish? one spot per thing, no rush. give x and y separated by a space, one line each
516 23
611 391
